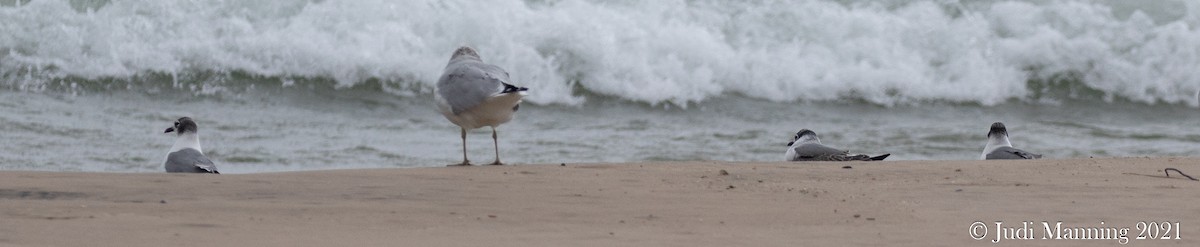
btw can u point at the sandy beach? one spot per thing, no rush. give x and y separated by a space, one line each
926 203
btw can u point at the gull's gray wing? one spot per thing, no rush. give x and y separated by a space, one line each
1008 153
466 83
189 160
818 152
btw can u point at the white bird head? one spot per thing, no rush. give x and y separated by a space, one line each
464 52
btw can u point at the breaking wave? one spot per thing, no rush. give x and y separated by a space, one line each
658 52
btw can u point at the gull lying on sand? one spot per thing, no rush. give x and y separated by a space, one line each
805 146
998 147
185 155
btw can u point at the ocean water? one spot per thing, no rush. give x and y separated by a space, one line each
306 85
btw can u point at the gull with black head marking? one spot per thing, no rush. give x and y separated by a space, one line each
805 146
186 155
998 147
473 94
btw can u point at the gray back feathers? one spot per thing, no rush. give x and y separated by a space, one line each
468 81
189 160
1006 153
818 152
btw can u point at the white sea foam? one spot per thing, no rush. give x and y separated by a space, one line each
667 51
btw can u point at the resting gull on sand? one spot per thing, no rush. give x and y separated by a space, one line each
185 155
998 147
805 146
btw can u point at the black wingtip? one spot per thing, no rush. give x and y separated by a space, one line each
881 157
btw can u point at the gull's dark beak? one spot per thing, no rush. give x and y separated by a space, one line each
509 88
790 143
169 130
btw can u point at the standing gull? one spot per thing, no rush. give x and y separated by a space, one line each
998 147
473 94
185 155
805 146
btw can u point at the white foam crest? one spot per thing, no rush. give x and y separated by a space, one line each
670 51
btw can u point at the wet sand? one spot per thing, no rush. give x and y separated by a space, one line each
915 203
